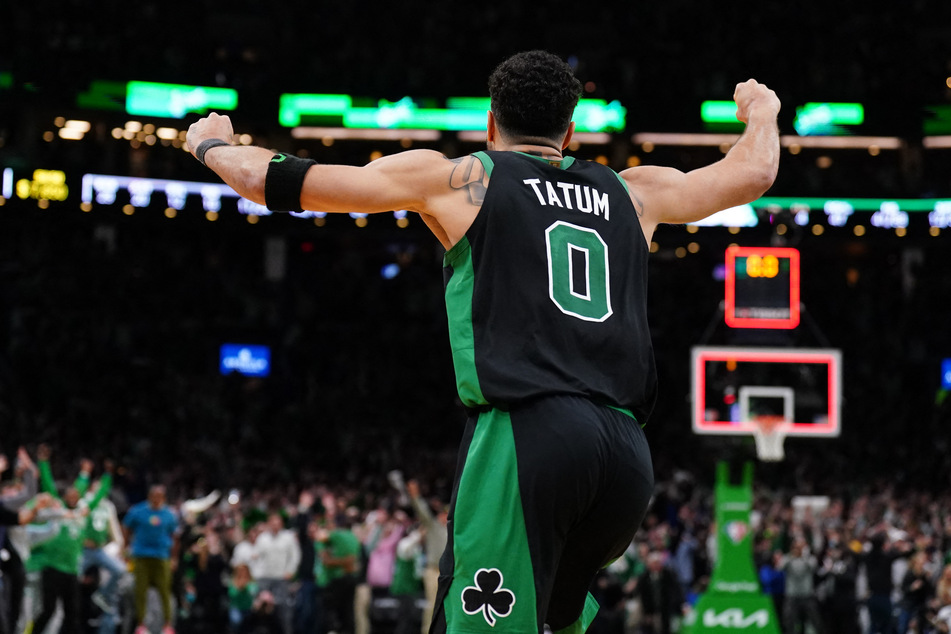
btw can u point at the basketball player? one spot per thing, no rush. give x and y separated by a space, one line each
546 292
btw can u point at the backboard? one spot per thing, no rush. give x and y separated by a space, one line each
734 386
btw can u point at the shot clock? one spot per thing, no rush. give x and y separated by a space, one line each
762 287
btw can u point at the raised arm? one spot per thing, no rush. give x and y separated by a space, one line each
401 181
667 195
47 482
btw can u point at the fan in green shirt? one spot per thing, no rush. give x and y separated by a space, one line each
60 555
339 551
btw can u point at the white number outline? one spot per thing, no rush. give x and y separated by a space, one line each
588 255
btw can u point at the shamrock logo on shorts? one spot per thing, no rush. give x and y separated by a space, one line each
488 596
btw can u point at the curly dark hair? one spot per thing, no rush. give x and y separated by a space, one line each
534 94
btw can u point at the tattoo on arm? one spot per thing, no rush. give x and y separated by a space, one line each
469 174
638 205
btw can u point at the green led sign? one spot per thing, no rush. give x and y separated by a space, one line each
103 95
720 116
6 80
460 113
176 100
937 120
814 119
718 112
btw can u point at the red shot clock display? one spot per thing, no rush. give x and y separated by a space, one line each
762 287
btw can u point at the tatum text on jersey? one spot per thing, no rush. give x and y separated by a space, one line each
587 199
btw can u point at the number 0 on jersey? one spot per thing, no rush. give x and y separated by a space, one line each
584 294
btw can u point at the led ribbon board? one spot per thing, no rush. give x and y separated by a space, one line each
103 189
812 119
460 113
827 118
762 287
176 100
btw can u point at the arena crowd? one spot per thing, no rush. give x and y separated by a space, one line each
327 555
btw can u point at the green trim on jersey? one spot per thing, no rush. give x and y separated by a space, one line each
623 411
584 621
461 334
564 163
487 162
623 183
490 543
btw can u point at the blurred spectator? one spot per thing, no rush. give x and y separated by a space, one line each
772 579
878 562
340 556
58 553
245 552
308 602
943 588
153 534
839 573
661 597
242 591
102 530
383 531
407 583
433 526
205 569
278 555
800 608
916 590
14 495
263 618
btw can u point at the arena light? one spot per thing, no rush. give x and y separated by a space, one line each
103 95
889 213
855 204
405 113
827 118
591 115
936 142
720 116
45 185
582 138
937 120
292 107
177 100
103 189
71 134
842 142
684 139
307 132
718 112
460 113
7 184
787 140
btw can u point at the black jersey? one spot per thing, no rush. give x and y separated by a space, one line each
547 291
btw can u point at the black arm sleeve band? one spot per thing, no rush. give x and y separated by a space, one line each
206 145
284 180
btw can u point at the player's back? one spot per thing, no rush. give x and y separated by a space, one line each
547 292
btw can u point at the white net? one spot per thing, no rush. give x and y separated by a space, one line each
769 433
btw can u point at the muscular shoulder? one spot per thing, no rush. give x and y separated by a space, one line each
651 177
415 161
653 189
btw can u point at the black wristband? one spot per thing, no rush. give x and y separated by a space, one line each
284 181
206 145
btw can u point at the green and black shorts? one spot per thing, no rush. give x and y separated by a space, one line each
546 494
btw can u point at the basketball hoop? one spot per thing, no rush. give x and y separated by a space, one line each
769 432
